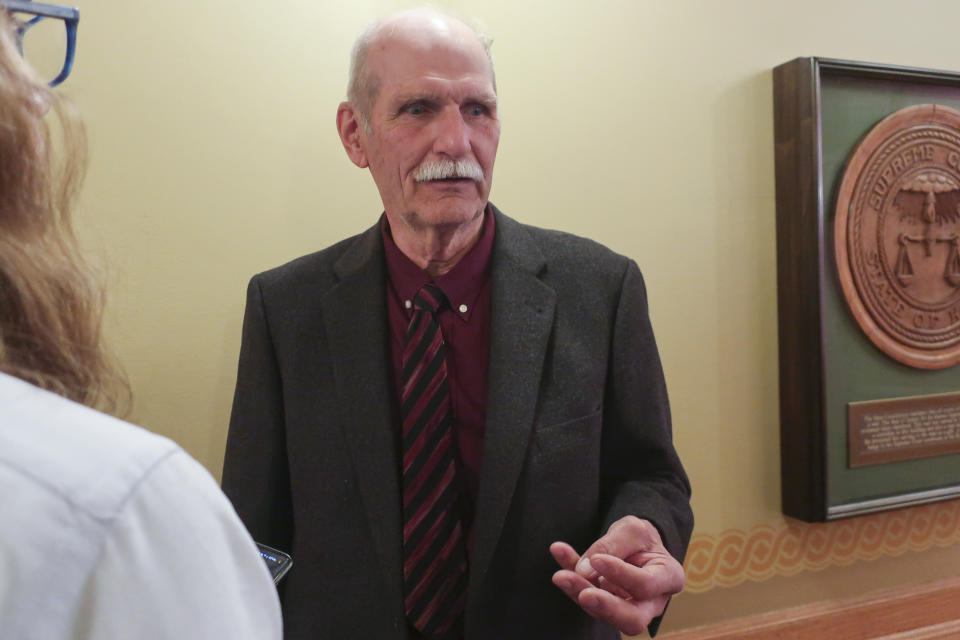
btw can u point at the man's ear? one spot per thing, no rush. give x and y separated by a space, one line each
349 127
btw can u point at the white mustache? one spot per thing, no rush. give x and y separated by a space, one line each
442 169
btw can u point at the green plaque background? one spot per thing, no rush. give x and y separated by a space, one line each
854 369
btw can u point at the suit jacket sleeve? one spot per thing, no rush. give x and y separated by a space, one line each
642 472
255 469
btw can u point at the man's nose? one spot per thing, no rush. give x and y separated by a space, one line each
453 134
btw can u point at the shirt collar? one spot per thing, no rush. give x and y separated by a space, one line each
462 284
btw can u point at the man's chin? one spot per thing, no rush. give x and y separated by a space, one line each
443 214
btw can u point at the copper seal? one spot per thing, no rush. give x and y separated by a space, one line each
897 236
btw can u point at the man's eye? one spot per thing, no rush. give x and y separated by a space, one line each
415 109
476 110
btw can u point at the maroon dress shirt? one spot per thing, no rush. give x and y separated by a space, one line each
465 325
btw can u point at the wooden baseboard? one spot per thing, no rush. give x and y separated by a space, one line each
945 631
928 611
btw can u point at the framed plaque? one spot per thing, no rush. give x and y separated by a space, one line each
868 276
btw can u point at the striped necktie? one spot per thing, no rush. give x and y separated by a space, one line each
434 552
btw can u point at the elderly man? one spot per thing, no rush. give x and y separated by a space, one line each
426 412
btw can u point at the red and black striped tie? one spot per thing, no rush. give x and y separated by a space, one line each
434 553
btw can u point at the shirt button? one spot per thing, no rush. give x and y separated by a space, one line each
463 308
407 304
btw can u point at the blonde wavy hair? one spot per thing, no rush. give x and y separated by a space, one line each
51 302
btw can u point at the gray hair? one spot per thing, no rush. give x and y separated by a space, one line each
363 86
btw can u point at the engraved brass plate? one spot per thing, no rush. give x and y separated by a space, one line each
903 428
897 235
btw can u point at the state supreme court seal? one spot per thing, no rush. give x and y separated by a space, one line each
897 235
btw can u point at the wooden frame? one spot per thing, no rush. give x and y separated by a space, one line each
915 612
817 121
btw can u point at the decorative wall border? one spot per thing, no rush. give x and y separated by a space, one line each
787 548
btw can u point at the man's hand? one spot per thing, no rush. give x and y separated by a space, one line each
626 577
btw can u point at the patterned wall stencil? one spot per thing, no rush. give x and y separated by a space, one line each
789 547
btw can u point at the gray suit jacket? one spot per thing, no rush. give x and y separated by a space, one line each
578 434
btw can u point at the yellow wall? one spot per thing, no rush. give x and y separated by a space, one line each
644 124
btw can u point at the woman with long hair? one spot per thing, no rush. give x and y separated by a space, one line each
106 530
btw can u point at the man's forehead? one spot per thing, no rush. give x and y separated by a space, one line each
438 90
422 54
439 72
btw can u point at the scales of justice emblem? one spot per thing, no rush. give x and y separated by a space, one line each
897 235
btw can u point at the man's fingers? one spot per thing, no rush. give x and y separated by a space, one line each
570 583
625 537
657 576
565 555
567 558
613 588
630 617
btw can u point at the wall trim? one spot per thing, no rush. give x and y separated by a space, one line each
790 546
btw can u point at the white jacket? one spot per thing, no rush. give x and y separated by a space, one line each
108 531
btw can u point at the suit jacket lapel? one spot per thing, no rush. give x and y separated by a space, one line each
355 319
522 317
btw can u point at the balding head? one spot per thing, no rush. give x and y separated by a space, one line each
411 28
